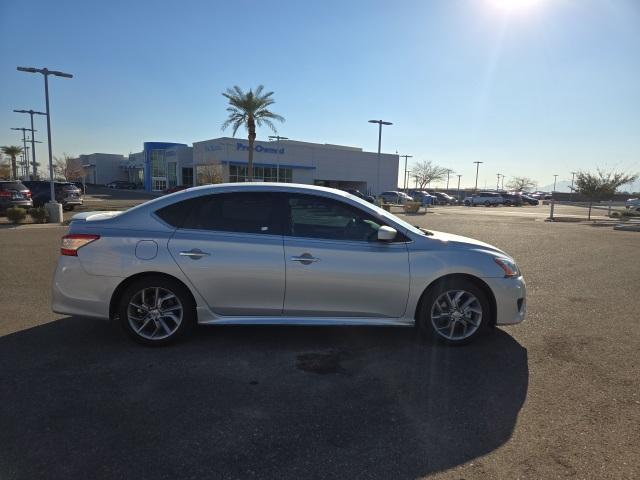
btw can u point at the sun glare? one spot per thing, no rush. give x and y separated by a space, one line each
514 5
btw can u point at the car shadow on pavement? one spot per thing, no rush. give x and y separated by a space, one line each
81 401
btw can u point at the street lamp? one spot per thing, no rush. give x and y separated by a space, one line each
573 175
33 142
405 170
555 177
277 138
475 189
24 142
380 123
498 182
459 186
45 72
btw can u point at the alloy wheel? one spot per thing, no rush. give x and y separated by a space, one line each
456 315
154 313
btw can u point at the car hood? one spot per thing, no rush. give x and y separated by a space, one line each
458 241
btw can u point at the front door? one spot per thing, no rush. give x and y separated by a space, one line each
336 267
230 247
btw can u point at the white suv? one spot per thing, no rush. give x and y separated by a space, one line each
484 198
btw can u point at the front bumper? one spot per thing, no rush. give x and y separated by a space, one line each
75 292
511 299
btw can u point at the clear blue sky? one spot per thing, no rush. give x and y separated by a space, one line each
547 88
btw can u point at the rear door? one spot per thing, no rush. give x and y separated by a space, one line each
335 267
230 246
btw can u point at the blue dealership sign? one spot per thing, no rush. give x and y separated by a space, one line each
260 149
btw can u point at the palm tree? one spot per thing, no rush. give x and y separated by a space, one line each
13 151
250 109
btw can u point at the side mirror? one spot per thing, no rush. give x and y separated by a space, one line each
386 234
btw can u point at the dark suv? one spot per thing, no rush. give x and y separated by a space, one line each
512 199
14 194
67 193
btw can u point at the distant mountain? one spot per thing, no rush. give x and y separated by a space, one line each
563 186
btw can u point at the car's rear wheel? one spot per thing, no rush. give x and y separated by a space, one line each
487 203
454 311
156 310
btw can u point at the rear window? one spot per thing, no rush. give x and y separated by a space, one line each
12 186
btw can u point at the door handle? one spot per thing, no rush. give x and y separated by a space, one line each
305 259
194 254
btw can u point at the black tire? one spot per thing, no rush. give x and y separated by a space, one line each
467 203
163 283
487 203
426 325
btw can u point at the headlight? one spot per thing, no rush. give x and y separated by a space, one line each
509 266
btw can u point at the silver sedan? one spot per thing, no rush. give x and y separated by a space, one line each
261 253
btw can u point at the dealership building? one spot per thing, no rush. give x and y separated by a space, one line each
162 165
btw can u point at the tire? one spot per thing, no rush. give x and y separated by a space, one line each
487 203
435 320
147 325
467 203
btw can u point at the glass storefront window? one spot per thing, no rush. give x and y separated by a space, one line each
267 174
158 164
172 174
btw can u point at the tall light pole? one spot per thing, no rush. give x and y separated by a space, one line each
475 189
555 177
380 123
573 175
405 170
503 182
449 171
498 182
45 73
277 138
33 141
24 142
459 186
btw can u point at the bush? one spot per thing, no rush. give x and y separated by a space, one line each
39 214
16 214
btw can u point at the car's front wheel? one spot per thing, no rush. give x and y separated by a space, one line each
454 311
156 310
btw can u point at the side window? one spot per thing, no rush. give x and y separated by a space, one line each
320 217
250 212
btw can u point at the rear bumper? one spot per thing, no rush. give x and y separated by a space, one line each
75 292
511 299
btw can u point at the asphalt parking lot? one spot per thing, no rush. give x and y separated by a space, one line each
554 397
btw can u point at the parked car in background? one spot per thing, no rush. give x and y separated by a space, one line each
14 194
121 184
511 199
359 194
484 198
444 198
542 195
425 198
191 258
529 199
633 204
394 197
66 193
177 188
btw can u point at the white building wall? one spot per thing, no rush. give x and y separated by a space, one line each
104 167
319 162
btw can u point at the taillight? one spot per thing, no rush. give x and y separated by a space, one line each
74 242
26 193
5 193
